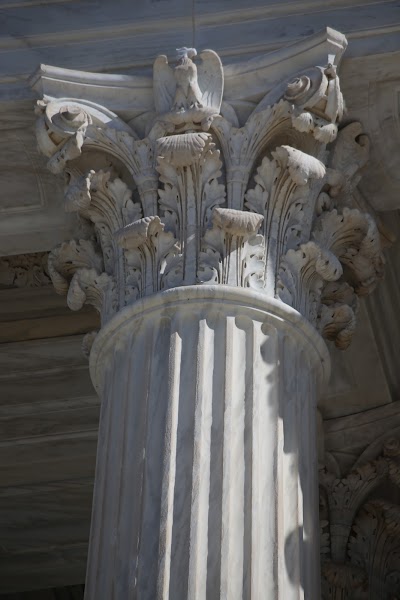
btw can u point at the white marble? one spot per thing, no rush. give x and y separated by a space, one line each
206 474
226 240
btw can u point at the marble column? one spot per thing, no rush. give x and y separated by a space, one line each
221 249
206 474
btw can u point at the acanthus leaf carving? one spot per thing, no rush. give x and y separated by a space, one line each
138 156
110 208
69 257
189 167
353 237
337 318
281 191
194 165
241 147
363 556
301 277
233 252
24 270
76 270
301 166
150 250
87 286
66 126
107 203
374 546
337 323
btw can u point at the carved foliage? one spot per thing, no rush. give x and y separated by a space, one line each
363 558
374 546
108 204
337 316
189 167
242 146
138 156
24 270
233 253
295 234
281 191
76 269
353 237
65 128
301 277
149 253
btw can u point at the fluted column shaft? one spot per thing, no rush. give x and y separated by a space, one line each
206 473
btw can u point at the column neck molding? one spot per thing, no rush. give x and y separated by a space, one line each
197 192
212 299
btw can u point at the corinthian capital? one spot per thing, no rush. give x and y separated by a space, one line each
201 195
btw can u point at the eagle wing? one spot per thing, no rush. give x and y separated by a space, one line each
164 84
210 77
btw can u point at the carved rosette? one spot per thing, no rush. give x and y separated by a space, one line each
203 198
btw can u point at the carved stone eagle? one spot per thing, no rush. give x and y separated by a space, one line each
188 93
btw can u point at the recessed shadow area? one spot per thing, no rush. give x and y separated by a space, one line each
290 383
